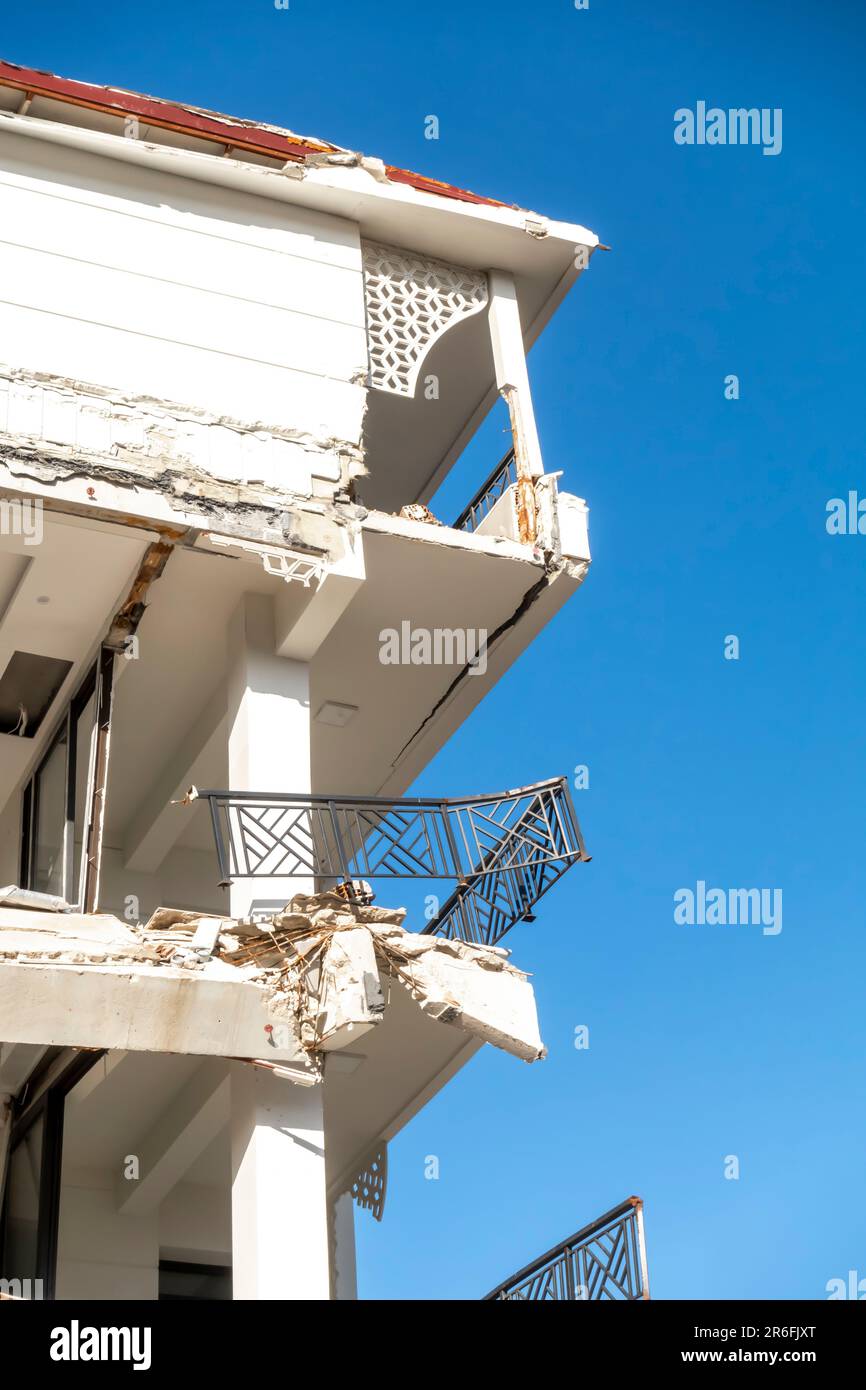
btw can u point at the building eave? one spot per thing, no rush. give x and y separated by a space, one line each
389 205
255 136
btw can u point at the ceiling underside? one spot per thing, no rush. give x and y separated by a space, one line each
371 1090
406 439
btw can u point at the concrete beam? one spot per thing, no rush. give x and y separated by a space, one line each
303 621
141 1010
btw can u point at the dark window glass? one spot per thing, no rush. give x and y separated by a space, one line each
22 1206
182 1283
51 801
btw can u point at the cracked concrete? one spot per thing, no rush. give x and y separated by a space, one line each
165 445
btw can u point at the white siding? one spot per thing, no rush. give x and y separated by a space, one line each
155 285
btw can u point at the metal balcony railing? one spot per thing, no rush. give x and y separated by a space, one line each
606 1260
503 850
500 480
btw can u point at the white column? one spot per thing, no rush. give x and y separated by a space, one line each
512 378
345 1269
279 1202
269 732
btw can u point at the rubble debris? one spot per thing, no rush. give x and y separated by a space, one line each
74 938
356 890
321 974
416 511
13 896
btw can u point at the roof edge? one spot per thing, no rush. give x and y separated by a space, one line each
229 131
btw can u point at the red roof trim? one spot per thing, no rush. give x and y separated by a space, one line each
205 125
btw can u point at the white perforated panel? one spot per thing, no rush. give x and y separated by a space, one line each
412 301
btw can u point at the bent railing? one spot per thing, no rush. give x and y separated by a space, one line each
605 1260
504 850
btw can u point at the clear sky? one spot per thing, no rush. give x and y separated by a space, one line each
707 520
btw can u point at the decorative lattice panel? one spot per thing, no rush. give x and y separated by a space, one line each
412 301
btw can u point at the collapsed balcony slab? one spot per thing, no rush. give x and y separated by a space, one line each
303 982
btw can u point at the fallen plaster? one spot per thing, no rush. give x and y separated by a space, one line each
302 983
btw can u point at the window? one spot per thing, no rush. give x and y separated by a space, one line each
20 1251
56 802
50 847
30 1205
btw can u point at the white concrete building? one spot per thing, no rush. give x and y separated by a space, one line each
236 365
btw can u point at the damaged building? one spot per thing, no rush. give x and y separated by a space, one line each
237 364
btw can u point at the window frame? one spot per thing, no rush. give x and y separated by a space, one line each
96 685
50 1105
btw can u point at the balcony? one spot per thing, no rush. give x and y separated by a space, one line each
503 851
501 479
605 1260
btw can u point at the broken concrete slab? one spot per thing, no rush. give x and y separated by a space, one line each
351 998
308 980
470 987
71 936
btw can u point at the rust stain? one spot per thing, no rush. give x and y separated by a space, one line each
527 507
129 615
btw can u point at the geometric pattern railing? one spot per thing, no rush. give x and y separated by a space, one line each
500 480
539 839
606 1260
504 851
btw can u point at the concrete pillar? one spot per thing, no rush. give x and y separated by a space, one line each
345 1269
279 1202
269 733
512 378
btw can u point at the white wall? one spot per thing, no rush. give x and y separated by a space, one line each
101 1254
195 1223
104 1254
187 878
157 285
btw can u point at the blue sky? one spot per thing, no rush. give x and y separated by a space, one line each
707 519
